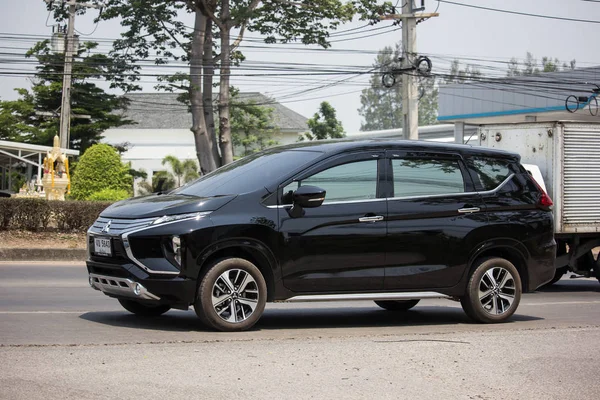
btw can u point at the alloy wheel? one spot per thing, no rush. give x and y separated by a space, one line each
497 290
235 295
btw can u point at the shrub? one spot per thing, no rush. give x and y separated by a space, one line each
109 195
43 215
99 168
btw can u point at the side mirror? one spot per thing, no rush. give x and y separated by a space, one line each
305 197
309 196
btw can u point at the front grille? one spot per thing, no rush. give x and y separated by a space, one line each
108 269
118 226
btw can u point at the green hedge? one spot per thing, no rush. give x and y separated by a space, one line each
44 215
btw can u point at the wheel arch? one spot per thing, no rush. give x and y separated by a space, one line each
510 250
249 249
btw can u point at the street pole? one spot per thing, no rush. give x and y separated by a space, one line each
410 105
65 109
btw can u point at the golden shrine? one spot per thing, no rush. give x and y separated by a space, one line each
56 180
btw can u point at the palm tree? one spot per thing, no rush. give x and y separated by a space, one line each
183 171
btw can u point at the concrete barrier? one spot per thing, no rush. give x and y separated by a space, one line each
18 254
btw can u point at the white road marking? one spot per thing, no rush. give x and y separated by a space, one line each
555 303
559 303
44 312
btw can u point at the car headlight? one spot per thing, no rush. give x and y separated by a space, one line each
179 217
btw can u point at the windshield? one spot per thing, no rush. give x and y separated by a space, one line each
249 173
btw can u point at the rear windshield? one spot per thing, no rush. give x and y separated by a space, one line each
490 171
249 173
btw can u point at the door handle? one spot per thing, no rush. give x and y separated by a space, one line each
374 218
469 210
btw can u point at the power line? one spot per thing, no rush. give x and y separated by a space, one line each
520 13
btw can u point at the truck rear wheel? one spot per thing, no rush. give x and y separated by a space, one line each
494 291
597 268
557 275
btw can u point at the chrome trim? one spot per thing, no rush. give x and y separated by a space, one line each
118 225
334 203
500 186
127 246
120 286
367 296
432 196
470 210
371 219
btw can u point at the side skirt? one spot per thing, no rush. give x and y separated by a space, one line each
365 296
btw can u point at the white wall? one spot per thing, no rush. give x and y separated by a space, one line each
148 147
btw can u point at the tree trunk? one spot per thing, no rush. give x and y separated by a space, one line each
203 145
207 92
224 97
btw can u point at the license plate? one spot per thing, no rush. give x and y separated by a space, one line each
102 247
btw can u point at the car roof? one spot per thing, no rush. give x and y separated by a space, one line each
344 145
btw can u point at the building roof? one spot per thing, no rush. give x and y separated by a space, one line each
163 111
538 97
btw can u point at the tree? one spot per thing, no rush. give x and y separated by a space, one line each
163 181
381 107
154 31
461 75
324 124
530 66
99 168
182 171
252 127
33 118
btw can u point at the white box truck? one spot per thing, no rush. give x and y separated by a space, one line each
567 157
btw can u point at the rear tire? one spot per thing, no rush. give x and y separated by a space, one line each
597 268
231 295
494 291
142 309
397 305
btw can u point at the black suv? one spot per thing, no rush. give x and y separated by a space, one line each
389 221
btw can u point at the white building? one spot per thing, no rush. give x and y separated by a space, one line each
162 127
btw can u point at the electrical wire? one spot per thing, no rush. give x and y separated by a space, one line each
520 13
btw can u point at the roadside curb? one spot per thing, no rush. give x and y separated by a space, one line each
41 254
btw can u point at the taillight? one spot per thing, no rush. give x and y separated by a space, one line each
545 201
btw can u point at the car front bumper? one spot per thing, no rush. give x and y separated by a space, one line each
127 281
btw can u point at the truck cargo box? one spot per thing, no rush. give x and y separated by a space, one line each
568 155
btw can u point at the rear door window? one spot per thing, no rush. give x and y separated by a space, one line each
426 177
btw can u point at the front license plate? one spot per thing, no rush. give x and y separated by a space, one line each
102 247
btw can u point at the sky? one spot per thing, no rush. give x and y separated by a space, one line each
485 38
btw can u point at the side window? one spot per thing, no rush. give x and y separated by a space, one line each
346 182
490 171
420 177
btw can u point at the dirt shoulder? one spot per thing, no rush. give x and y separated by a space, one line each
42 240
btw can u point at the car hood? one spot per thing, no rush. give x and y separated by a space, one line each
163 204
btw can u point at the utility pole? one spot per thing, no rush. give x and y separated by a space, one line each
410 103
410 100
65 109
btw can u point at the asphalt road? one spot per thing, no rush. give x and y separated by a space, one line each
61 339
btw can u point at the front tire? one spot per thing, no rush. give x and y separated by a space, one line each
231 295
397 305
494 291
142 309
